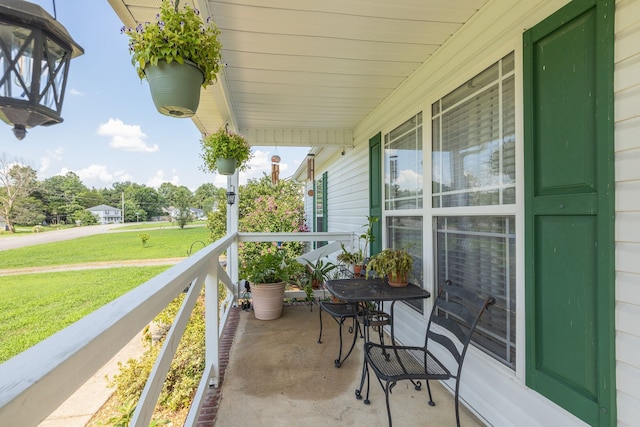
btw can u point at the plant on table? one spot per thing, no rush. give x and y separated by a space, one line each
396 264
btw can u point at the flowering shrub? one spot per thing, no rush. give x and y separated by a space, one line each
177 35
264 207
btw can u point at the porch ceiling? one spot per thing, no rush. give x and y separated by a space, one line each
306 72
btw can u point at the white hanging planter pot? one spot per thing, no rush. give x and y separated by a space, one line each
175 87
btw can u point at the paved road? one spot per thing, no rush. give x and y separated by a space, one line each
19 241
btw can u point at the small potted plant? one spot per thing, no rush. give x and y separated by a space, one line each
317 273
177 54
357 257
224 151
268 275
396 264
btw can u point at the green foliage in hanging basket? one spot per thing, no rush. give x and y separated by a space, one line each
227 145
177 35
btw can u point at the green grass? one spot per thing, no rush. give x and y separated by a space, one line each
110 246
143 225
36 306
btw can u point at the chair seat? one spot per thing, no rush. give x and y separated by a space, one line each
399 362
339 309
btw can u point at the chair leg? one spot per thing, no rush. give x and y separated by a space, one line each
320 336
431 402
386 396
457 407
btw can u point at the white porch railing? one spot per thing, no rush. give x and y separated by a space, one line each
34 383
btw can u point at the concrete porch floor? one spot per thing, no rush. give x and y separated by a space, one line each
278 375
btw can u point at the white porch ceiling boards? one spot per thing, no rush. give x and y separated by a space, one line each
311 70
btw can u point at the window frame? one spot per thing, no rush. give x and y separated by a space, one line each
513 210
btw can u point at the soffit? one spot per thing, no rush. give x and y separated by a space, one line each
308 72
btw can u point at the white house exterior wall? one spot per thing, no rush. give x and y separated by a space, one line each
627 163
497 394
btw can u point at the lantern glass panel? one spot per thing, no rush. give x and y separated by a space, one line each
52 72
19 64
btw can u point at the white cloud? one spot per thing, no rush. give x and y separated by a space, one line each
122 176
45 162
126 137
76 92
91 173
408 179
159 178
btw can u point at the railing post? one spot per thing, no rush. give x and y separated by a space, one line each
233 213
212 312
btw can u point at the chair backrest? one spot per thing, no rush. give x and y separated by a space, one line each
457 311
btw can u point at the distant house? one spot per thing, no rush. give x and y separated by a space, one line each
107 214
198 214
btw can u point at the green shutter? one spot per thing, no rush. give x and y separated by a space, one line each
569 207
375 190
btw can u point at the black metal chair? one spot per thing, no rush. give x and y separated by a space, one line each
340 312
456 313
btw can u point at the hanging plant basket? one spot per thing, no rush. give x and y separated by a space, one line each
175 88
226 166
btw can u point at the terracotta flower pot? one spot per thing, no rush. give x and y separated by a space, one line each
398 281
267 300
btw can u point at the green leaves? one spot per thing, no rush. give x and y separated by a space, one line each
178 35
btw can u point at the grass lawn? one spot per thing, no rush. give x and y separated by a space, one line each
36 306
110 246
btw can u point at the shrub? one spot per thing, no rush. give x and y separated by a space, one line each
186 368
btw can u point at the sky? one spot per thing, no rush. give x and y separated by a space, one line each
111 131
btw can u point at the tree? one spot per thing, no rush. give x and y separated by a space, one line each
61 196
182 202
17 183
205 196
84 217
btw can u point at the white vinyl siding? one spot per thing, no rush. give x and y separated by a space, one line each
497 394
627 165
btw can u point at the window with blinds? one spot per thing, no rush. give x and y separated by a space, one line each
403 165
473 131
478 253
473 166
406 232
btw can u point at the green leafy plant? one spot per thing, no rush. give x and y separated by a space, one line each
318 272
224 144
177 35
144 238
358 255
395 263
186 368
272 266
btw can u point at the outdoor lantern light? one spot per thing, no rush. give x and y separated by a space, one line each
35 51
231 195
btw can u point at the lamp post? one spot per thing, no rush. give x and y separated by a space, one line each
35 52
